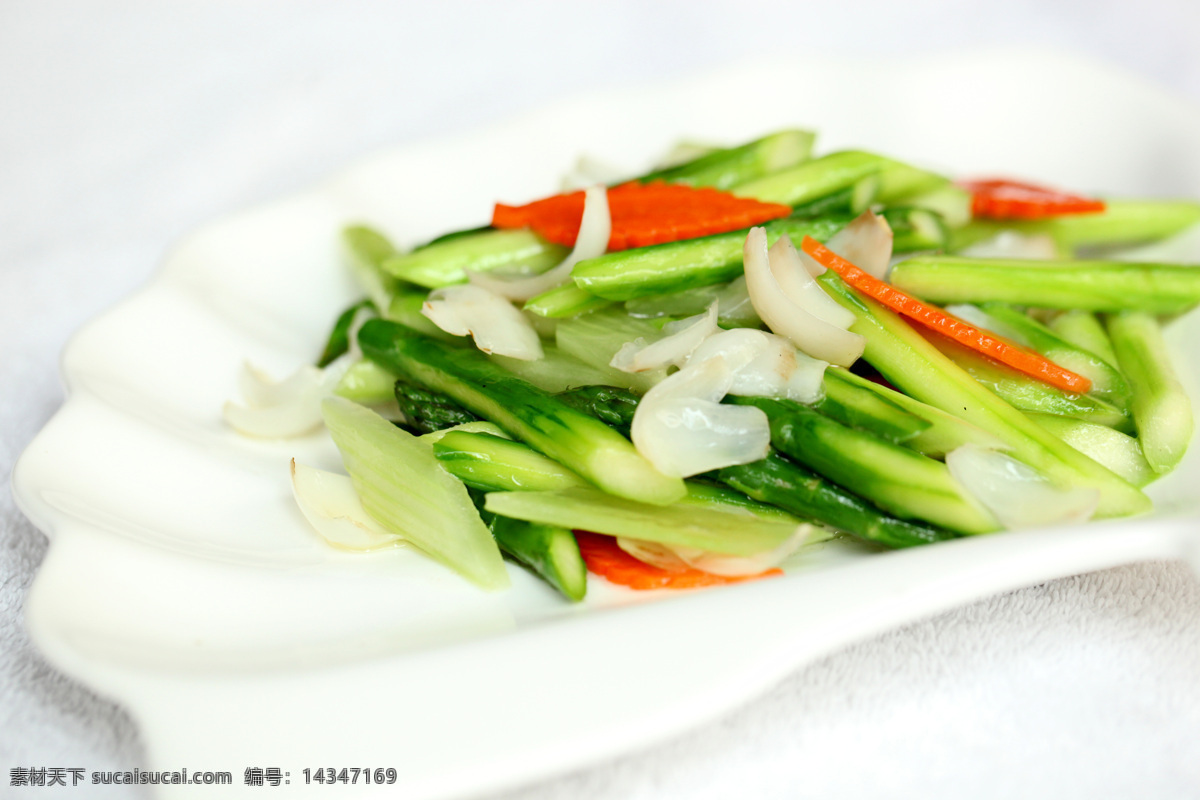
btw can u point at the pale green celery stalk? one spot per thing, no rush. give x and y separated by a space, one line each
401 485
701 523
916 367
1161 409
596 337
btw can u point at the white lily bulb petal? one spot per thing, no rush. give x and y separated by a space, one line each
682 428
1015 493
736 566
594 231
291 407
493 322
330 504
813 336
733 304
674 558
770 365
655 554
801 288
866 243
680 339
1009 244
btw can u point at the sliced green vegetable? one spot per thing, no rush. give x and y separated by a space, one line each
731 530
405 308
729 167
898 480
565 301
427 411
495 464
403 488
1090 285
1117 451
551 551
915 229
1085 331
1161 409
1107 382
915 366
366 383
366 250
339 338
687 264
1030 394
578 441
813 179
520 252
849 403
945 432
609 404
784 483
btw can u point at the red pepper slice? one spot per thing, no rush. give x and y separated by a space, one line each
999 198
642 214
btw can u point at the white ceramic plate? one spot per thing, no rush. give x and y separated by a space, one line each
182 582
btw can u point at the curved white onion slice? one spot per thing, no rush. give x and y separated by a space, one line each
675 558
813 336
771 365
493 322
1009 244
866 243
681 427
680 339
801 288
278 410
330 504
1015 493
592 241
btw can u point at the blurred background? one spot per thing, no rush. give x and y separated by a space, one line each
123 125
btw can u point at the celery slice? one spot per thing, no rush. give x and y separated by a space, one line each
404 488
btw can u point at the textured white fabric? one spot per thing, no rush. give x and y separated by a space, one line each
124 125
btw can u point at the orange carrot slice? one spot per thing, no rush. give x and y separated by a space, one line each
997 198
605 558
983 341
642 214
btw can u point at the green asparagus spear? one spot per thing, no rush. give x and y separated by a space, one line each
898 480
1161 409
782 482
686 264
915 366
1090 285
578 441
339 338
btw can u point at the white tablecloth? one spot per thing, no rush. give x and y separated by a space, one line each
124 125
